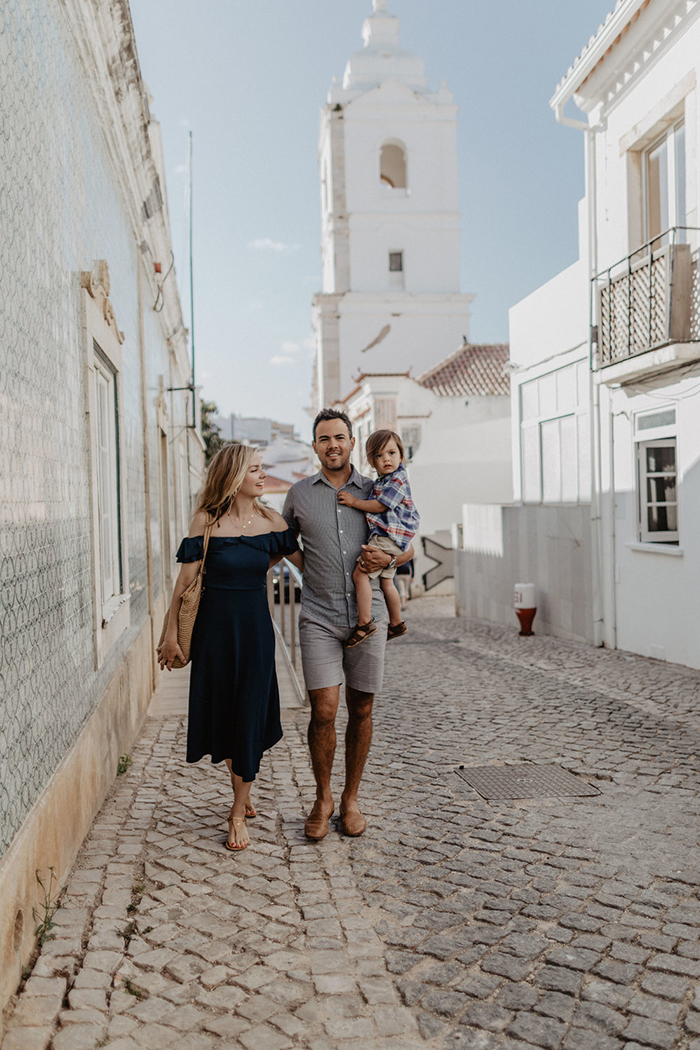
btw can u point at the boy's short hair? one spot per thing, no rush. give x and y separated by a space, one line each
331 413
376 442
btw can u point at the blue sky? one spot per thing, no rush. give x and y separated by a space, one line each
248 77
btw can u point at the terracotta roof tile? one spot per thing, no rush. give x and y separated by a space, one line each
473 369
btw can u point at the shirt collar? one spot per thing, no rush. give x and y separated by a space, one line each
355 478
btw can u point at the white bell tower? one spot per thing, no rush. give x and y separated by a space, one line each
391 296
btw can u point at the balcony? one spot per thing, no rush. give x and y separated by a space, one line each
648 310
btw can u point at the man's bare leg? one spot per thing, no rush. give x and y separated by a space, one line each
358 737
322 741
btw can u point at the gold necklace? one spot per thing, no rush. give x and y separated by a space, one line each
241 527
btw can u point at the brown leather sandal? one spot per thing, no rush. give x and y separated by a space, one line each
396 630
361 631
234 825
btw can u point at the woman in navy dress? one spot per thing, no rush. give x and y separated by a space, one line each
234 711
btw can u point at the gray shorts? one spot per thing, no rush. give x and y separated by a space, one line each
326 661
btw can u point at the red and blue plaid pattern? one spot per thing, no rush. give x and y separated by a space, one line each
401 519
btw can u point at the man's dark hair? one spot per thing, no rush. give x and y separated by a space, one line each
331 413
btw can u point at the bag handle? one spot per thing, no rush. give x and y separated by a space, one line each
207 533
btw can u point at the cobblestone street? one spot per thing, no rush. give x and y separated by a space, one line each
453 923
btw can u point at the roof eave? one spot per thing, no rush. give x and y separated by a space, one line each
596 50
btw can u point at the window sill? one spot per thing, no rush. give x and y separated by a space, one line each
111 608
657 548
110 630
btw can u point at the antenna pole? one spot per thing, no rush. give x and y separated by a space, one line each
194 391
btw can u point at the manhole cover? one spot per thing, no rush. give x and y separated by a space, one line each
526 781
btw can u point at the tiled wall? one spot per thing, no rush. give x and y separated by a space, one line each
60 211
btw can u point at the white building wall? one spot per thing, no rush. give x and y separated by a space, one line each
647 589
552 320
75 685
643 594
547 546
463 454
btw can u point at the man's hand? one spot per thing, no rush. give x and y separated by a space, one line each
346 499
372 559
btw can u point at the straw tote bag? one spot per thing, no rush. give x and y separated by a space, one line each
188 609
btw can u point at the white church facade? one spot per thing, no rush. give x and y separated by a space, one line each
391 297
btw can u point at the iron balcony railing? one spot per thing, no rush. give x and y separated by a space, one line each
649 299
284 583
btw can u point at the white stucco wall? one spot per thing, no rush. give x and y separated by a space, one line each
464 452
656 592
649 591
644 595
551 320
464 457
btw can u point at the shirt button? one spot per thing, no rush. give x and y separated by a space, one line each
347 573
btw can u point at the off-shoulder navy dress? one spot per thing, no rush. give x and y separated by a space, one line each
234 709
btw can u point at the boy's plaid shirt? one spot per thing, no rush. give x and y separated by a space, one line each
401 520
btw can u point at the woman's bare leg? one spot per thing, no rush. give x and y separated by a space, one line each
238 833
249 807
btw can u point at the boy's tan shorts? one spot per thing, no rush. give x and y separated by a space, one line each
384 543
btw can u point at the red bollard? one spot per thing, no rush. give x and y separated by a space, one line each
525 607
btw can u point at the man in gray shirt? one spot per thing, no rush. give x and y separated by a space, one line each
334 538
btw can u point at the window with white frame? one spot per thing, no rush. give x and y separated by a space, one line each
107 464
554 437
102 349
664 184
410 436
385 413
657 476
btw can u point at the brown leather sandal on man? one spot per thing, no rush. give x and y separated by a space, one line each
360 632
396 630
352 822
316 824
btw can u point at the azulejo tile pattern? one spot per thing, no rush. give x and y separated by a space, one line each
61 209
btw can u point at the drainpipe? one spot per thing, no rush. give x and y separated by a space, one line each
597 538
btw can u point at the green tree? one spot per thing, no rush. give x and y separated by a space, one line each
210 431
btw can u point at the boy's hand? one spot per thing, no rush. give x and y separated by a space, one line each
346 499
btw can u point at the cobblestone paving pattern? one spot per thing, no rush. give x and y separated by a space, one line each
453 923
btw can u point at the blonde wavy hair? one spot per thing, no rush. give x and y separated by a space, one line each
225 476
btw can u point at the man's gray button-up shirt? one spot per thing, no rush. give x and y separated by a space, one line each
332 536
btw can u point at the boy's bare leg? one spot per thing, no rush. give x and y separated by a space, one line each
392 599
363 593
358 737
322 741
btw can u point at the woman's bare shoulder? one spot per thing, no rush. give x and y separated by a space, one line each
198 523
278 524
